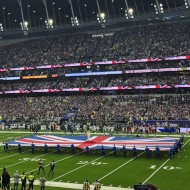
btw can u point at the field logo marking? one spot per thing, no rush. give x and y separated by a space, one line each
161 166
120 166
165 167
152 167
13 155
92 163
168 168
80 167
31 159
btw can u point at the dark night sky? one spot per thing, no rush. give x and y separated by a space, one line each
114 6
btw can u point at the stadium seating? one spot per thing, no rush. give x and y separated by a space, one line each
147 42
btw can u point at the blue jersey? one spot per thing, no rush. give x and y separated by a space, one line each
72 147
6 145
157 150
171 150
102 149
58 147
134 149
147 150
124 149
114 149
46 146
176 146
33 146
87 149
182 139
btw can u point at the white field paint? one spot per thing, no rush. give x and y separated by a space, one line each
160 167
120 167
80 167
74 185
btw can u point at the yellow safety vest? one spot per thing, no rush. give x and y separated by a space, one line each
30 177
23 177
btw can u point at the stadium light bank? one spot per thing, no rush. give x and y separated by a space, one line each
49 23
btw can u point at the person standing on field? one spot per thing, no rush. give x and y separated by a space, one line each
42 182
41 167
52 166
5 180
31 181
86 185
97 185
23 181
16 180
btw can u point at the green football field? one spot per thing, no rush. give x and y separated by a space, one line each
114 173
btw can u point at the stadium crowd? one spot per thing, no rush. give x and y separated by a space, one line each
96 109
134 43
99 81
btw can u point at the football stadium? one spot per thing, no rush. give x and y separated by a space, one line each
94 94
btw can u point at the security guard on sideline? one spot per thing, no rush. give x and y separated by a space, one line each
31 181
86 185
97 185
23 180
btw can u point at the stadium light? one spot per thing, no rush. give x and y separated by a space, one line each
24 25
187 4
47 14
74 21
1 27
129 13
59 11
49 23
102 15
101 18
158 7
53 9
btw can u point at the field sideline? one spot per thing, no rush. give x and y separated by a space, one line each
114 173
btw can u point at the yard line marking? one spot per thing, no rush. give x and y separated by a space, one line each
13 155
55 162
120 166
81 166
47 164
160 166
23 161
9 149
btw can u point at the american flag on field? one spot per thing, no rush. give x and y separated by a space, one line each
96 142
